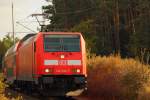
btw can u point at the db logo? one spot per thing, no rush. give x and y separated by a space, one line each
62 62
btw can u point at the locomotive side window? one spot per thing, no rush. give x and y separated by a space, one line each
62 43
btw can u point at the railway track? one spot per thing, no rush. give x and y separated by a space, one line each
10 93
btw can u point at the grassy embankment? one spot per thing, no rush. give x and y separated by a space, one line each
113 78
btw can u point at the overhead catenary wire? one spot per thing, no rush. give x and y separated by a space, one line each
75 12
20 32
28 15
24 23
26 27
32 21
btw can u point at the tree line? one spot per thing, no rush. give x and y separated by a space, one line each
109 26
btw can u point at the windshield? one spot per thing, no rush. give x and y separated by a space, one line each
62 43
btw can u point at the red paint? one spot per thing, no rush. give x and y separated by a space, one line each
30 63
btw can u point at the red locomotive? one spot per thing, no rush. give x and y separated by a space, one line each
47 61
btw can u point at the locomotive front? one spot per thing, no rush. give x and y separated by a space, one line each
60 61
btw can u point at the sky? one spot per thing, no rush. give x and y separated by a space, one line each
22 10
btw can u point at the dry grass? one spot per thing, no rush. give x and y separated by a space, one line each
2 88
2 91
115 78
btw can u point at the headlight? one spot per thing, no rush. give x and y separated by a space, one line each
47 70
78 70
62 56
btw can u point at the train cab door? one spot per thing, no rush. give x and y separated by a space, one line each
34 60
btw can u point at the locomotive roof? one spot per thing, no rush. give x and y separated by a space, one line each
27 37
60 32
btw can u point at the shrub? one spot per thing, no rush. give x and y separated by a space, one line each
2 88
135 77
113 77
2 91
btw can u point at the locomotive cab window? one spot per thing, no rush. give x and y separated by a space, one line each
62 43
